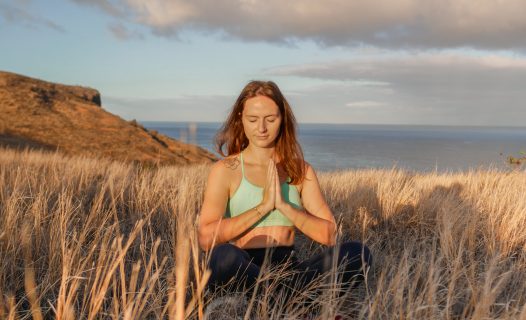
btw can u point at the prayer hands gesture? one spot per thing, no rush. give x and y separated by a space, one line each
272 198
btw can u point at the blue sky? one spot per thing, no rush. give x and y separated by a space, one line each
440 62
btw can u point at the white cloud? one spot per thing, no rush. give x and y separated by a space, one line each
413 68
437 88
387 23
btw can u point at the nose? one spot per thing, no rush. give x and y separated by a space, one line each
262 127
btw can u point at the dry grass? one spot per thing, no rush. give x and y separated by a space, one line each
92 239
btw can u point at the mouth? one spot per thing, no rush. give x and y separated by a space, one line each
262 137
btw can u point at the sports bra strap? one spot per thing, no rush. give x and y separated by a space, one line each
242 166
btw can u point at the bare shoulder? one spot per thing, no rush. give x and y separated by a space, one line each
309 175
231 162
308 168
309 172
225 169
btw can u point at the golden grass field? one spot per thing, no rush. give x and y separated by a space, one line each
94 239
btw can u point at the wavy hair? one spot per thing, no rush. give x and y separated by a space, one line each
232 137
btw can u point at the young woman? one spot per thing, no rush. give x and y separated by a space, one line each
262 192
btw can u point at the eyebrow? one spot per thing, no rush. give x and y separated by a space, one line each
270 115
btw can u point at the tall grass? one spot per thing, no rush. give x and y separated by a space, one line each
91 238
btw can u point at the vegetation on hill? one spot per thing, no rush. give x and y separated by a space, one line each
48 116
88 238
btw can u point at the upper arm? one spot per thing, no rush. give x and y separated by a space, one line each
216 194
312 197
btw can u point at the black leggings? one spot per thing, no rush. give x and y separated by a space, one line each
240 267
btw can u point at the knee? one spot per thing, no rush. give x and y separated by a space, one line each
225 257
356 252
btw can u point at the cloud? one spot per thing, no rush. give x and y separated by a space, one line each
120 32
17 13
433 68
384 23
447 88
114 8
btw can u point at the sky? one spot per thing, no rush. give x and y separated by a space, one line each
433 62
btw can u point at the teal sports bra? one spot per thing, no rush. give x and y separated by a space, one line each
247 196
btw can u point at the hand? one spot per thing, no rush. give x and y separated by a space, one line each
278 202
269 191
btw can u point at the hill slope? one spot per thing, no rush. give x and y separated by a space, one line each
44 115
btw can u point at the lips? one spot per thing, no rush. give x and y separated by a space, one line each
261 137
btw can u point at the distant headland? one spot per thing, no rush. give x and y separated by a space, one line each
37 114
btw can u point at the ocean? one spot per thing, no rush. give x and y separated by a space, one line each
329 147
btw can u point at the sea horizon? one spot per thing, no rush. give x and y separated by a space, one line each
422 148
354 124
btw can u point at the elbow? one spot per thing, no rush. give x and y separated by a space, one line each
206 240
330 242
330 236
204 244
203 240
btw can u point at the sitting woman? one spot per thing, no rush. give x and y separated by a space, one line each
261 192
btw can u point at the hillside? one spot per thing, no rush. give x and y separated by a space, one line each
49 116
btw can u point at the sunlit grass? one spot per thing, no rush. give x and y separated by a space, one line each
92 238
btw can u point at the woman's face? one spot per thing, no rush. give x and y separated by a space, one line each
261 121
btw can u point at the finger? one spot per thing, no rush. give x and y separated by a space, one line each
268 183
273 170
269 173
272 175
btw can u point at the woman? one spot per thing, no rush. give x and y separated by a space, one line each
261 192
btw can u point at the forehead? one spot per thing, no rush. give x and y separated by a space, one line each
260 106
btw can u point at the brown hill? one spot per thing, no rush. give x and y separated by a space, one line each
50 116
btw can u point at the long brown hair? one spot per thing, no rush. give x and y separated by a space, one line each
233 138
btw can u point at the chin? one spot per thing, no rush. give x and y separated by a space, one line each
263 144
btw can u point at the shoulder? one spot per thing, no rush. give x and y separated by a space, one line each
225 169
231 162
309 171
309 176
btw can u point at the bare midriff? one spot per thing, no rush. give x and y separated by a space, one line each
264 237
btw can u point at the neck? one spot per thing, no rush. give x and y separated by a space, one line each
261 156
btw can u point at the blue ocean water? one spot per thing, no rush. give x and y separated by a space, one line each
330 147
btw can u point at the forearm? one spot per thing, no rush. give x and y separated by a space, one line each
226 229
318 229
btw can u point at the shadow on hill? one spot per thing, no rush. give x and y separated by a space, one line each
354 214
21 143
404 222
388 228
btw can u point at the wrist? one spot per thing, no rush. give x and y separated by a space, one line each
264 209
259 210
282 206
